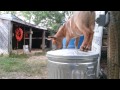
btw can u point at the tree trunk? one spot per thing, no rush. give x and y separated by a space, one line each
113 57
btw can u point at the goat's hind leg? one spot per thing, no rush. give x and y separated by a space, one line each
76 42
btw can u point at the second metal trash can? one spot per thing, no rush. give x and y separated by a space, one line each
72 64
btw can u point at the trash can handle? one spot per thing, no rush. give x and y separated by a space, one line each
88 69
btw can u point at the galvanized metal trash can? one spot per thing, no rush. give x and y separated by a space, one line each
72 64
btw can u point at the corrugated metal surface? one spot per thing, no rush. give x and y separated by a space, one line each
72 64
97 39
86 70
4 27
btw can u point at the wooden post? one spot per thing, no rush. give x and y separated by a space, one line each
24 35
30 39
10 36
43 41
113 57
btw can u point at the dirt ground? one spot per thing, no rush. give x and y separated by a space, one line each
36 68
39 60
43 59
41 72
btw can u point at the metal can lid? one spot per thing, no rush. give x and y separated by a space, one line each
72 54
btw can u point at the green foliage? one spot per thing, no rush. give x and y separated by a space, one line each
18 55
51 19
27 14
8 12
11 64
14 67
48 19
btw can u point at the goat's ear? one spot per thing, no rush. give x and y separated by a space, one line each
51 37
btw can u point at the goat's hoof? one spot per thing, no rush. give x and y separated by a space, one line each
82 48
85 50
88 48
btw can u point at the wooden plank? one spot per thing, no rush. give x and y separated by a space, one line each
105 36
104 42
105 31
35 38
10 35
30 40
43 41
104 48
113 51
24 35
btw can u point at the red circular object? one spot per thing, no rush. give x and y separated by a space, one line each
19 34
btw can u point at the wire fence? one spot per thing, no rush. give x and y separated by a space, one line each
3 37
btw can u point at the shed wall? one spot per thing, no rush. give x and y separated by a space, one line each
4 34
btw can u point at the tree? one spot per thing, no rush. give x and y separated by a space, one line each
113 59
49 19
28 15
8 12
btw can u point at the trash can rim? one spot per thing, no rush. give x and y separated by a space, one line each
72 54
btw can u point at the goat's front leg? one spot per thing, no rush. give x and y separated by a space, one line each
86 33
90 37
76 42
67 41
88 47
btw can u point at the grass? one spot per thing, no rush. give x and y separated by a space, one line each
39 53
20 64
18 55
12 63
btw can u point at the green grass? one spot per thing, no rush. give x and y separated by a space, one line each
9 64
18 55
1 55
19 63
39 53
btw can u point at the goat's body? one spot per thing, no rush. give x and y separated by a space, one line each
74 26
80 23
